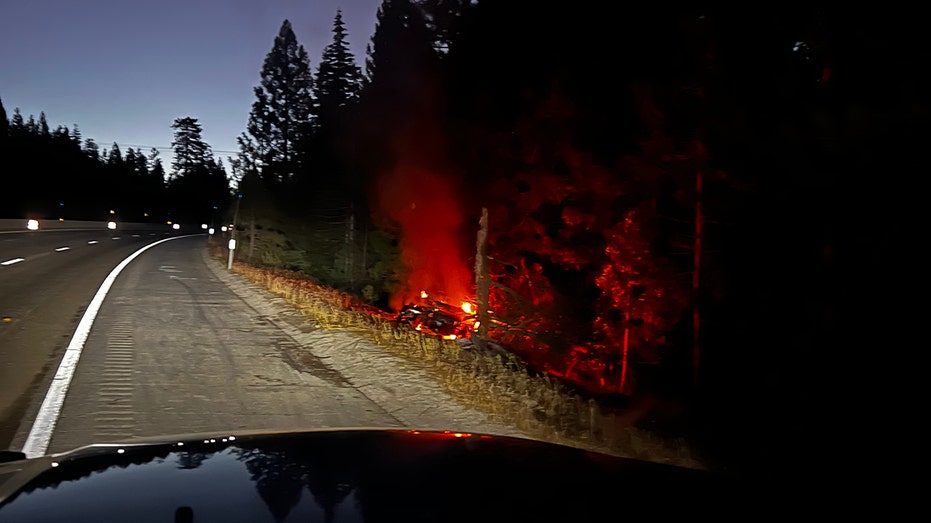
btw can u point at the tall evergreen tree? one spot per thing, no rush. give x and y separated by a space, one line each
192 153
198 183
4 123
158 171
115 158
338 77
281 115
336 88
247 157
401 48
140 164
444 19
17 125
91 149
400 70
130 160
43 124
76 134
153 155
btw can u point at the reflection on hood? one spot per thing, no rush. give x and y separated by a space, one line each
354 476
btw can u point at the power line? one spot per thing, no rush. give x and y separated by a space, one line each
164 148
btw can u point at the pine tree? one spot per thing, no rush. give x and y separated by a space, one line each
153 155
401 47
130 159
91 149
281 115
140 165
32 126
157 174
115 158
198 182
336 88
76 134
444 21
43 124
192 154
338 77
248 159
17 125
4 123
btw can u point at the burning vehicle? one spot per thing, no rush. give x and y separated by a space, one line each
439 318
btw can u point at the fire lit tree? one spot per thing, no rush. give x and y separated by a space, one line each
578 283
641 300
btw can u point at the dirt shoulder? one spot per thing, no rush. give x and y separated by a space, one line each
432 384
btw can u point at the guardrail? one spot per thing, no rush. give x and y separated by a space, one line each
83 225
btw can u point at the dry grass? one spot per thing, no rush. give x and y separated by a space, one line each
502 388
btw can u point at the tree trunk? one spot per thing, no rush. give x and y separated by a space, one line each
482 279
351 247
251 237
365 249
696 279
625 350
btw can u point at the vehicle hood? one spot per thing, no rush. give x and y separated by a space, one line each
346 475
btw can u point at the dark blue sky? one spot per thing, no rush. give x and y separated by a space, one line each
123 70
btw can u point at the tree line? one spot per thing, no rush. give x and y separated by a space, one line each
58 174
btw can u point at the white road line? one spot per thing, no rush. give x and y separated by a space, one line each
11 262
92 242
115 238
62 249
41 433
135 235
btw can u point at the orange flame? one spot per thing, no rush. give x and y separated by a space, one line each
424 295
467 307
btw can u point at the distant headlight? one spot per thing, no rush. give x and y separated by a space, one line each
203 226
176 226
32 225
111 226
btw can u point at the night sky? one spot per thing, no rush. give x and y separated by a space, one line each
123 70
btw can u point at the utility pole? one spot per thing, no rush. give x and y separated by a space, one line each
232 243
482 279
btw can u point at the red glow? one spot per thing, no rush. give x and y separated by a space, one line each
558 222
446 434
426 208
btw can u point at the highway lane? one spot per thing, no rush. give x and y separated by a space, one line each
174 350
47 278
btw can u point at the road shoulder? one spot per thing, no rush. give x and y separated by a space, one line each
401 390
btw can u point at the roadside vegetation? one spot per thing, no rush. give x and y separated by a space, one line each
501 387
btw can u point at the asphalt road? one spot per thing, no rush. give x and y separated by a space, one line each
47 279
173 350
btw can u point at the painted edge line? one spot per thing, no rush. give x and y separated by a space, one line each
41 432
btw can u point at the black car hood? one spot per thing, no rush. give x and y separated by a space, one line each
348 475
